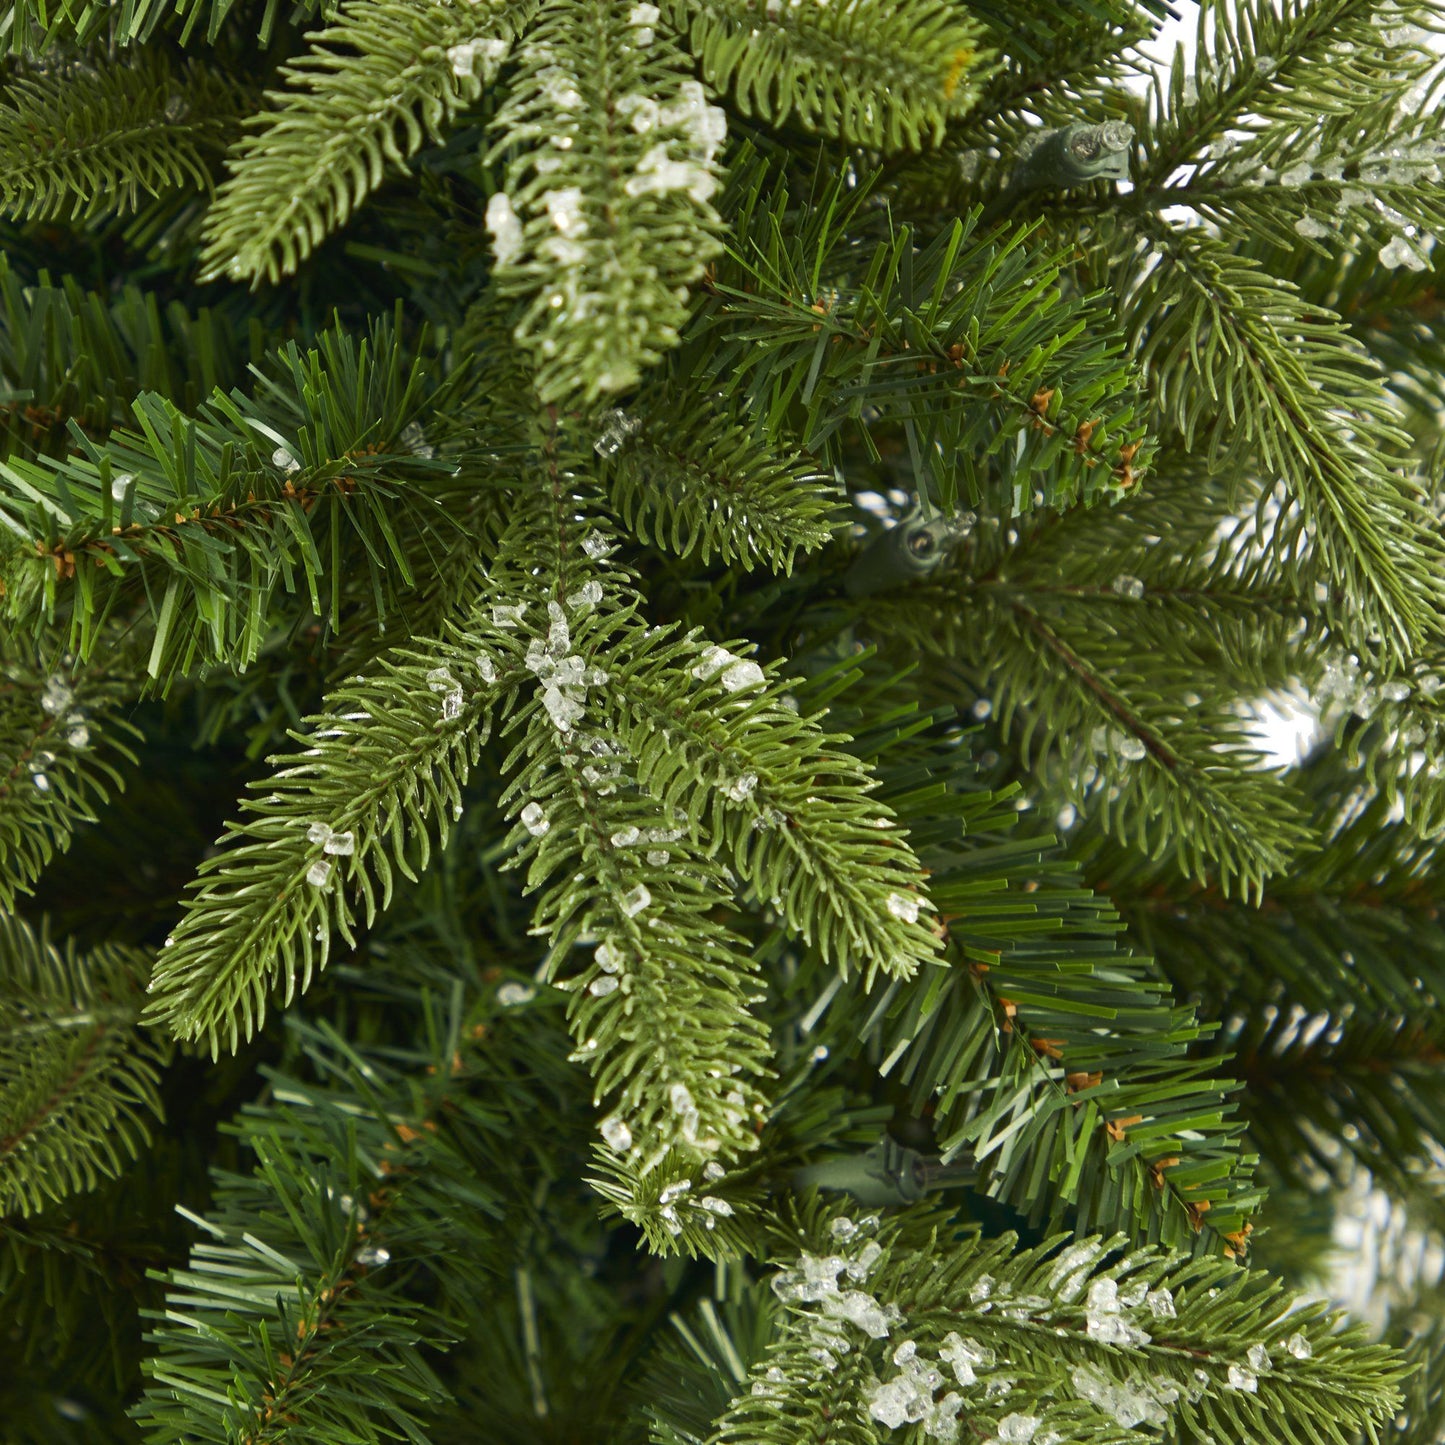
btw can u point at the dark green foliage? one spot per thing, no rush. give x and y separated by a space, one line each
63 739
716 611
196 522
82 138
79 1089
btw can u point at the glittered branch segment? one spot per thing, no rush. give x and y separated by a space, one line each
64 737
661 1007
611 158
375 791
1045 1346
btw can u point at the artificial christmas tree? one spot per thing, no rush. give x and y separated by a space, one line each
728 554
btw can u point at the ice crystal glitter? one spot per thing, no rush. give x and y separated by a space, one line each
373 1257
511 995
1243 1380
636 900
463 58
810 1280
563 710
741 787
283 459
601 987
1017 1429
507 614
617 1134
657 171
1299 1346
596 546
1161 1304
535 820
1105 1319
868 1256
413 438
617 426
589 594
319 873
56 696
559 635
904 906
1258 1358
1130 1404
607 958
861 1309
642 18
898 1402
505 227
714 1205
734 673
625 837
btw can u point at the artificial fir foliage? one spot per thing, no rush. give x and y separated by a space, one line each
629 806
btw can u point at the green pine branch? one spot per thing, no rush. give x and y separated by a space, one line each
886 74
1271 69
635 835
380 81
79 1078
198 523
688 476
962 352
1051 1057
1240 366
326 1278
1058 624
915 1321
610 156
70 354
92 136
63 738
317 856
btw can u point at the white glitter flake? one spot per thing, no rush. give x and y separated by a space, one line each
617 1134
506 230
